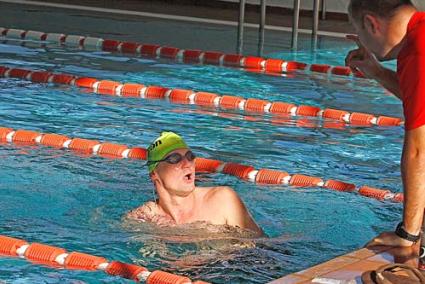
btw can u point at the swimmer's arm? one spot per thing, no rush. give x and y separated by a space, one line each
131 215
141 213
130 219
236 212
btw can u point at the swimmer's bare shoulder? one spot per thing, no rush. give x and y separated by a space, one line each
143 213
217 193
225 200
223 197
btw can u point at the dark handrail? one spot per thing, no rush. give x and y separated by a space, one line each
241 25
295 21
262 27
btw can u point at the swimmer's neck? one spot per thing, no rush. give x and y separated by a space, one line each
179 208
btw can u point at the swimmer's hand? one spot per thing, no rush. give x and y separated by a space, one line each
362 59
389 239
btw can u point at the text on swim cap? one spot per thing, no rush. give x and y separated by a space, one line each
154 145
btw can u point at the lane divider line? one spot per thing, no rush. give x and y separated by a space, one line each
203 165
189 56
203 99
56 257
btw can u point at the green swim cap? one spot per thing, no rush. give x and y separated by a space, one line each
161 146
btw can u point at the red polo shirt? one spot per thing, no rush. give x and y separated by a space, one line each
411 72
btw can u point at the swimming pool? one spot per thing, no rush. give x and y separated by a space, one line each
59 198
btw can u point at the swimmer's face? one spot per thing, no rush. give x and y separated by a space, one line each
177 178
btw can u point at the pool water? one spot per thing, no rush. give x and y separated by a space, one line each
57 197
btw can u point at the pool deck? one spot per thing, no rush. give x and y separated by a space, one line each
217 10
348 268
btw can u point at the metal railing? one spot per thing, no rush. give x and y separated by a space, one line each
295 22
261 35
241 25
317 6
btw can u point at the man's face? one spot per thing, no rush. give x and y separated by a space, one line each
177 178
372 34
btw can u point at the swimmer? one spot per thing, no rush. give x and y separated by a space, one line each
171 167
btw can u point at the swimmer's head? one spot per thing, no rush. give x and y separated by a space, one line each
162 146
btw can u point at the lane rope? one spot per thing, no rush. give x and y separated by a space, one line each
203 99
190 56
203 165
56 257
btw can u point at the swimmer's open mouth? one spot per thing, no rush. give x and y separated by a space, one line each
188 177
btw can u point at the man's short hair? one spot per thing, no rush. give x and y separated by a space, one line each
382 8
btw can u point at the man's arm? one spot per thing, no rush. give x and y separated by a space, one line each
389 80
363 60
413 174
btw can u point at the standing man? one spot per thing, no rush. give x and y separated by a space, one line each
394 29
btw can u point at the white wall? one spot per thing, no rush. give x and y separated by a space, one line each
339 6
420 4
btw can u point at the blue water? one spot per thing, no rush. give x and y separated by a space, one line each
59 198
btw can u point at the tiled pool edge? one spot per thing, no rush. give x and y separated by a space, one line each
350 266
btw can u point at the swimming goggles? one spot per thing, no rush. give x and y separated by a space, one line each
176 158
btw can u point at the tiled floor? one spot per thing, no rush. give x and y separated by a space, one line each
349 268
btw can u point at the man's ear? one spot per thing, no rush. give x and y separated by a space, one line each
371 23
154 177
